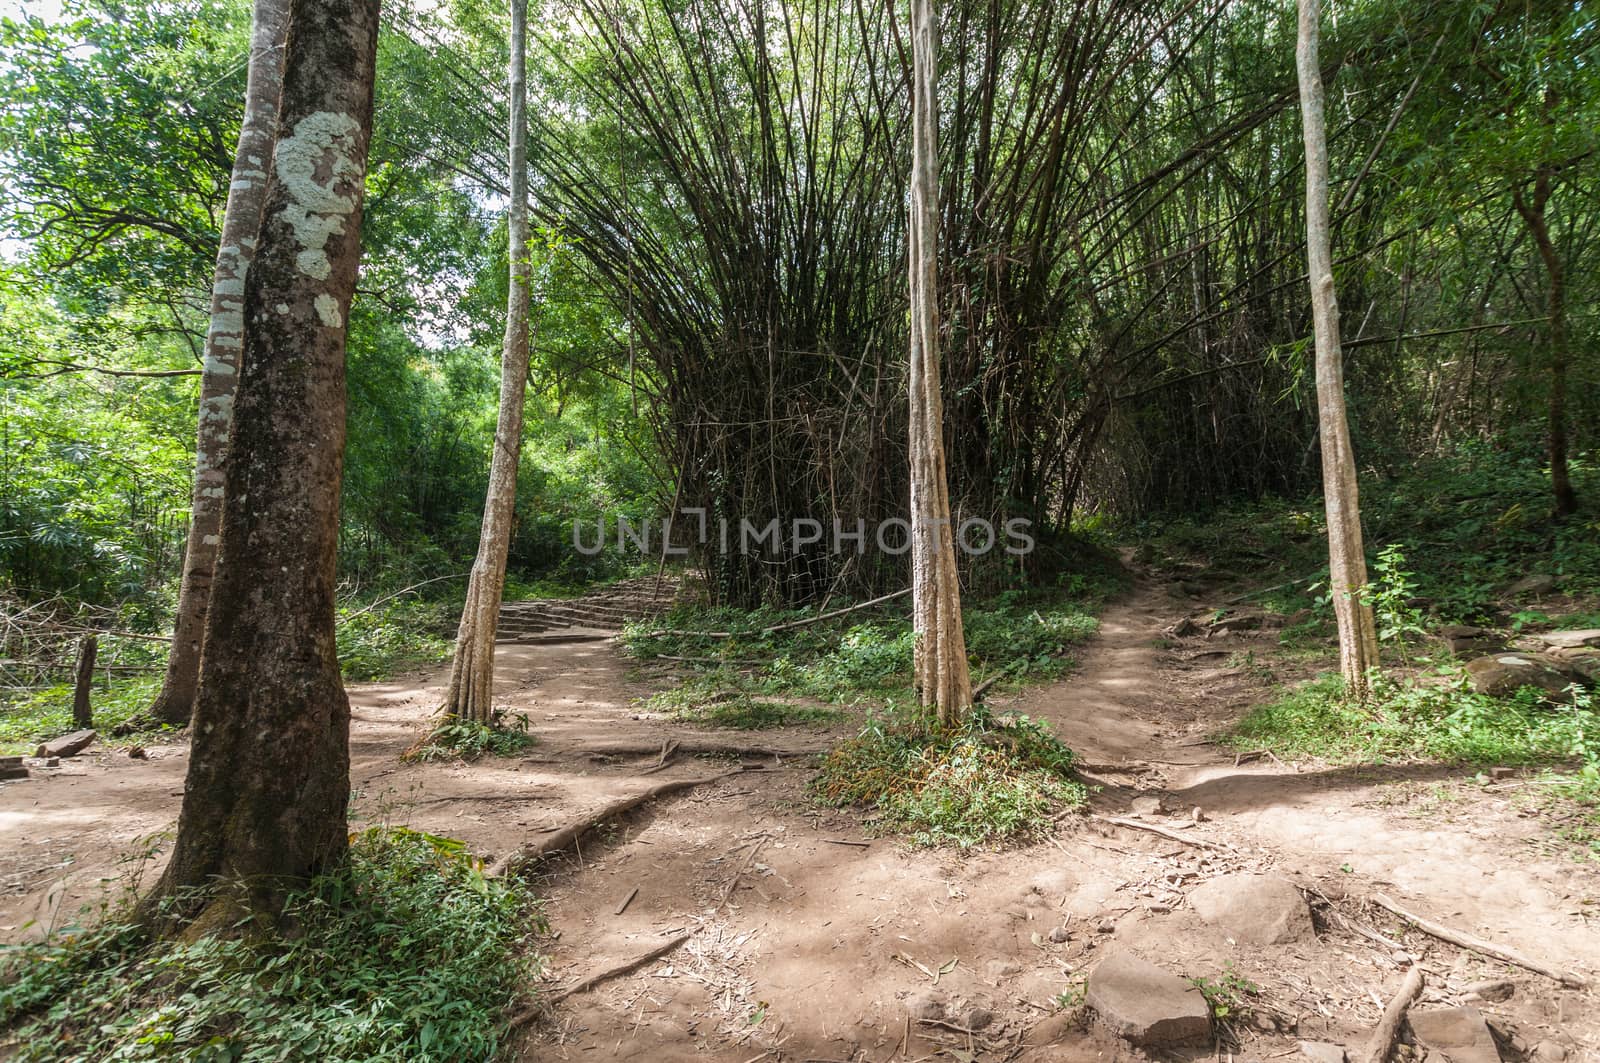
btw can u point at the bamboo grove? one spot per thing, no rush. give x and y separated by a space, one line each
1123 270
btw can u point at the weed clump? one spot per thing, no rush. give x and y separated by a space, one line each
986 780
469 740
407 952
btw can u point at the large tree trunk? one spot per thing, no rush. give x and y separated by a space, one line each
241 221
1534 216
471 693
265 798
1347 565
942 679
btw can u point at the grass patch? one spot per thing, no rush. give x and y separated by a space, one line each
34 716
469 740
1406 721
406 953
988 781
714 700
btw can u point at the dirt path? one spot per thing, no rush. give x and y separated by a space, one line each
811 941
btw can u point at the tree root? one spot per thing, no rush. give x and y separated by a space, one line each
1134 824
589 982
520 858
1478 945
1381 1043
693 748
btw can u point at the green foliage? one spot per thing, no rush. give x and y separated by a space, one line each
1024 635
31 717
1075 993
407 953
706 700
1228 995
405 632
1391 594
989 780
1456 530
469 740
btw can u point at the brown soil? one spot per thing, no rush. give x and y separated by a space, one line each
810 949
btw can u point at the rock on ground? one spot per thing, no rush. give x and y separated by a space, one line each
1458 1034
1258 909
1502 674
1145 1005
1536 584
1322 1052
1571 639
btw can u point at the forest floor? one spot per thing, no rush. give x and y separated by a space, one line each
813 940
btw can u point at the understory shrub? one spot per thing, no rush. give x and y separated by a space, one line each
987 780
406 953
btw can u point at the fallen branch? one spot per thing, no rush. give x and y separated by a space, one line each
744 865
1134 824
370 606
572 832
1236 599
1132 767
1487 948
983 687
1381 1043
583 985
666 632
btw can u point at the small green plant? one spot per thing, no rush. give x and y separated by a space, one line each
1228 995
1391 593
986 780
407 952
469 740
1075 993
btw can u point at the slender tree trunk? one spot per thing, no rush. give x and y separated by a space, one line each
1534 216
942 679
241 221
1358 639
471 693
82 683
268 783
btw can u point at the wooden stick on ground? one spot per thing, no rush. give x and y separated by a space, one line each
587 983
572 832
1487 948
668 749
1381 1043
1134 824
744 865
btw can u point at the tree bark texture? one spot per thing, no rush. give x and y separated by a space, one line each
241 222
941 674
471 691
268 783
1358 639
82 682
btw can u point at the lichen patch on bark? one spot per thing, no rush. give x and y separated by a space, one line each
316 165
